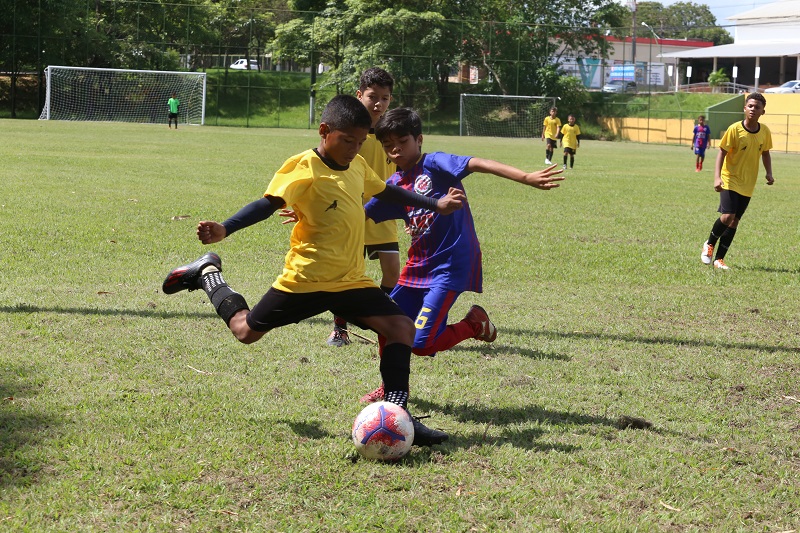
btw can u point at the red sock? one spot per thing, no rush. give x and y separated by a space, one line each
452 335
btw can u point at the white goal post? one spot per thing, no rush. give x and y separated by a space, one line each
119 95
490 115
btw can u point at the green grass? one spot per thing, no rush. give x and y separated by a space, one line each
123 409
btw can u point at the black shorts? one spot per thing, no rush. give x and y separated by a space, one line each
569 151
173 115
732 203
279 308
552 144
372 251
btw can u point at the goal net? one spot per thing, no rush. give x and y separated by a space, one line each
116 95
490 115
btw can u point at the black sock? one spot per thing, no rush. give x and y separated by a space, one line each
565 160
716 232
395 369
225 300
571 161
725 242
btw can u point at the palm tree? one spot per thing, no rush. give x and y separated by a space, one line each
717 78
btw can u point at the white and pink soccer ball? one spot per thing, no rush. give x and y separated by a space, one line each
383 431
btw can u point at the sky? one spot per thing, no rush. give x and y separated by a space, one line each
725 8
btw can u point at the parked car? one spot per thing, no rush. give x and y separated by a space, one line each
619 86
241 64
788 87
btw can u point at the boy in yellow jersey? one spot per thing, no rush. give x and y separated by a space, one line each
324 268
570 140
173 104
551 127
380 240
735 175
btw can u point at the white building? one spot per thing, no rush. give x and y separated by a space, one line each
765 51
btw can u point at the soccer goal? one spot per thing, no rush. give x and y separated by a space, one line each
491 115
117 95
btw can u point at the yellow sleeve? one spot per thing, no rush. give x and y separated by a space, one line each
292 180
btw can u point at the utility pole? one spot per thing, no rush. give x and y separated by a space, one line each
632 5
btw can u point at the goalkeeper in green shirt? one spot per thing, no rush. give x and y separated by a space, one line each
173 104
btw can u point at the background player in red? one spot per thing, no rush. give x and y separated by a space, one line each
701 135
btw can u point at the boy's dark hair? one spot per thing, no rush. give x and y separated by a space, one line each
376 76
758 97
345 111
701 117
400 121
554 109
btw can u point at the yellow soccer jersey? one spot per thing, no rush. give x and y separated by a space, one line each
551 127
570 136
373 153
327 243
740 166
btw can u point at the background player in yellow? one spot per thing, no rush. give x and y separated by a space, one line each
570 140
735 175
552 125
380 240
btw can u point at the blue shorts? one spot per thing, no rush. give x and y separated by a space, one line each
700 151
428 308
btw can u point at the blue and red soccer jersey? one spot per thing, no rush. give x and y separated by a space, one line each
444 250
701 135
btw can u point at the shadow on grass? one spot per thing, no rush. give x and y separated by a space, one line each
493 417
308 430
20 429
508 349
25 308
771 270
656 340
499 418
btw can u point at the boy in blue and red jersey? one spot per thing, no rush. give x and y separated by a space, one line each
701 135
444 258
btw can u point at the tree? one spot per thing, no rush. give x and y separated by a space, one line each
681 20
717 78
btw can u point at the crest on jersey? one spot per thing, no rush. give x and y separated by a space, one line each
423 184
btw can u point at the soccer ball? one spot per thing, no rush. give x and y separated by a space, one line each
383 431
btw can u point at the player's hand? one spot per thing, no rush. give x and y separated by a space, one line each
770 180
544 179
289 214
452 201
210 232
717 184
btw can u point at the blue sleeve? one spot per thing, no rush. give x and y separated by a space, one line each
448 165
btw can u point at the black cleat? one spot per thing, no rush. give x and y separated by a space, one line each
188 276
425 436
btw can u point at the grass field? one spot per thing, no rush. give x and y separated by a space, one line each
124 409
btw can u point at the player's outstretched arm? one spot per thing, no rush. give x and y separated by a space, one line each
210 232
543 179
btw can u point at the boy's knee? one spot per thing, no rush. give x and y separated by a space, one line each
402 331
